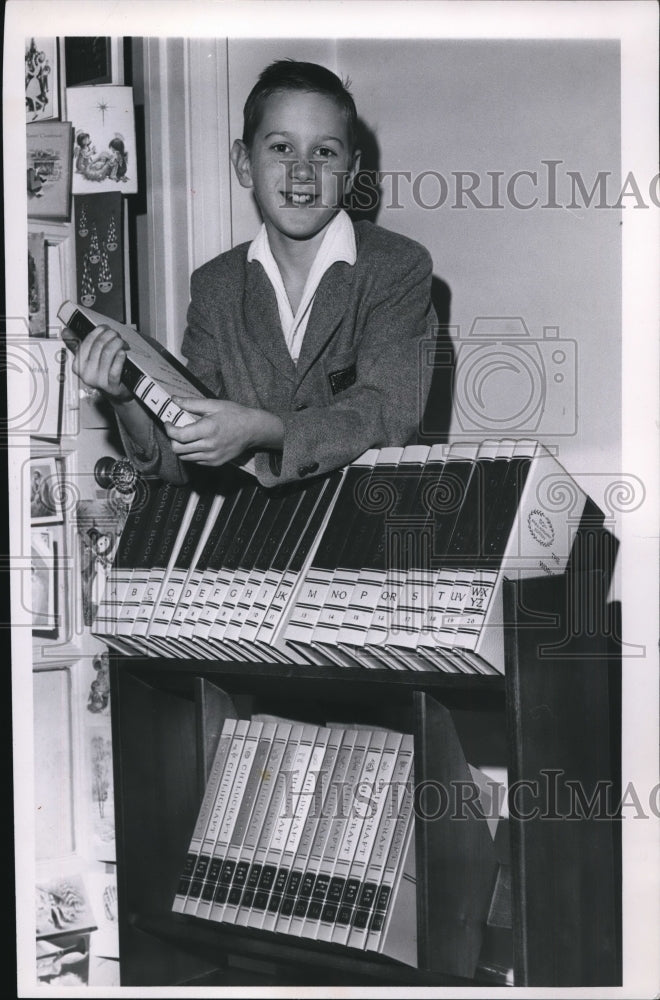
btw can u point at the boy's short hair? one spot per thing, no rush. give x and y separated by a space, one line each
288 74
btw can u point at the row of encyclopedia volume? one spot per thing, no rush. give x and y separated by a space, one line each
307 830
396 561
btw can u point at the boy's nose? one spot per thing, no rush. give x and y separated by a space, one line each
302 170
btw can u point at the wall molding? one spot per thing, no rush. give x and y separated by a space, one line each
188 191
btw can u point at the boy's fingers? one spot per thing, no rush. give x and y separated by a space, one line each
194 405
184 435
200 459
116 367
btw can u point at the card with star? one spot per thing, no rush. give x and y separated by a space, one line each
104 155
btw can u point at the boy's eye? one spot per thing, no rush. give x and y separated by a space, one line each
281 147
324 152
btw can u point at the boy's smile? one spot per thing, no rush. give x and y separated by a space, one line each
299 164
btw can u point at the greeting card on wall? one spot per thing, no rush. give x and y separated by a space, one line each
46 492
104 149
102 803
41 95
44 596
37 288
49 146
62 907
54 823
100 252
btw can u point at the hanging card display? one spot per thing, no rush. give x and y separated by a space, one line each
100 253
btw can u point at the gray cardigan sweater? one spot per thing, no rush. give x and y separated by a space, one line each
360 381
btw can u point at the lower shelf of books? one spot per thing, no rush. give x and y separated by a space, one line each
303 829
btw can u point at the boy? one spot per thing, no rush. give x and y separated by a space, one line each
309 336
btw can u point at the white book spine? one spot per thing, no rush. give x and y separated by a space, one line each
309 927
199 880
361 607
294 784
260 605
319 799
250 796
173 580
351 835
399 786
232 811
379 795
334 607
210 793
276 806
255 826
226 824
402 833
302 807
332 807
244 603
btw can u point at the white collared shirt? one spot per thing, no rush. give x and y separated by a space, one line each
338 244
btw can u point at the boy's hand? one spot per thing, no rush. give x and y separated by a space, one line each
223 432
99 361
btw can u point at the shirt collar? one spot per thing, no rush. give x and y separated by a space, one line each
338 244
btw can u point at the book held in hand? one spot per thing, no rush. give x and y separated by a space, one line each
150 372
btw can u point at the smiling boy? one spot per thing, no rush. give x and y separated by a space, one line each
309 336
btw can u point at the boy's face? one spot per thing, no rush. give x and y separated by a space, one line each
299 164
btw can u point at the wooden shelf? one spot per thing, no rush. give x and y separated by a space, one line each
556 710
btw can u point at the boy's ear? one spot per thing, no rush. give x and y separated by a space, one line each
240 157
352 171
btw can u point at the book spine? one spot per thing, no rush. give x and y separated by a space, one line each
333 843
340 891
276 807
204 815
231 541
260 605
457 553
230 811
251 840
318 577
358 541
169 529
355 888
206 514
302 806
250 797
400 838
318 803
366 902
378 631
272 634
201 872
172 580
498 493
130 543
294 784
333 806
398 938
137 580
